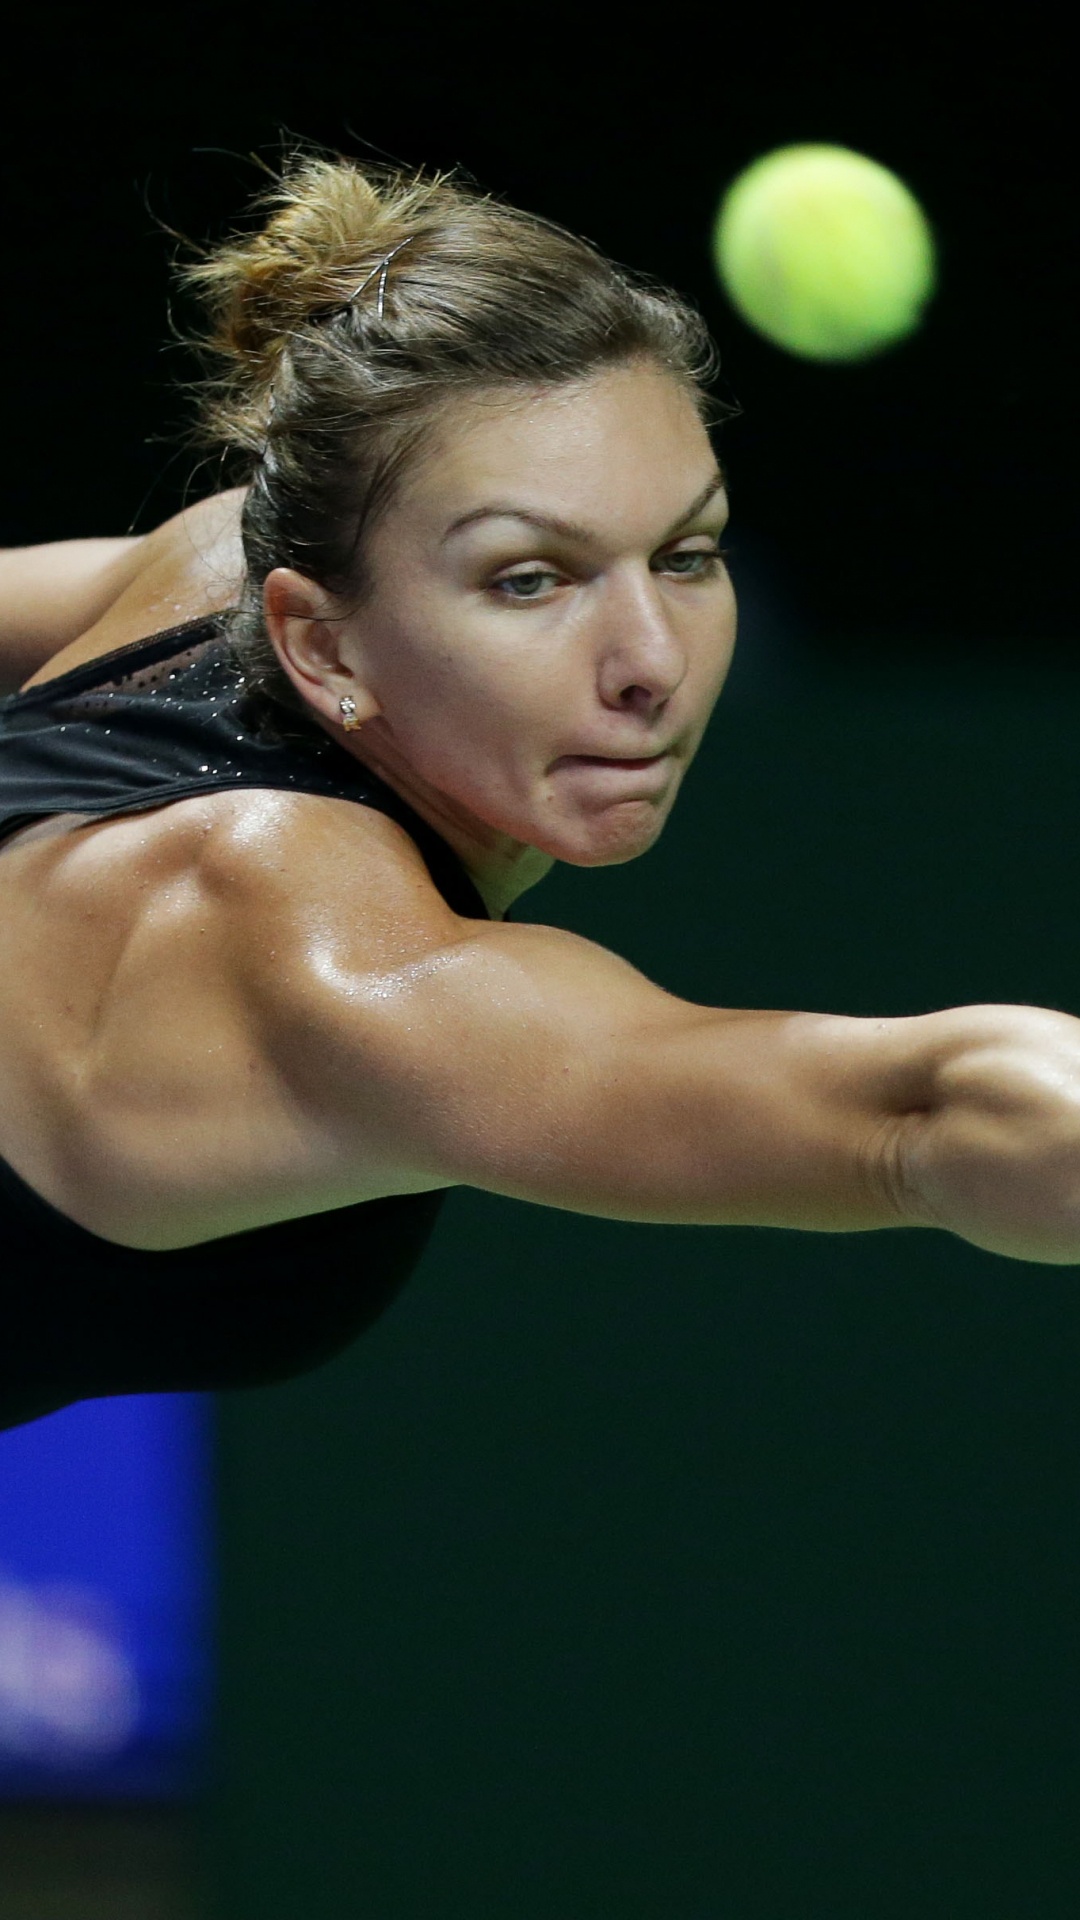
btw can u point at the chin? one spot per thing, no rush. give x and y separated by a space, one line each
613 848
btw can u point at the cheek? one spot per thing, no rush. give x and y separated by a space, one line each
717 655
471 727
460 689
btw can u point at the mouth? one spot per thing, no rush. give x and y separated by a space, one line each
610 760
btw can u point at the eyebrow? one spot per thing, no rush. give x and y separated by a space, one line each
572 529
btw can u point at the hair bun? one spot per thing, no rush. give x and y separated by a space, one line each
327 221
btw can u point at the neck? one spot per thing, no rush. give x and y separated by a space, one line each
500 867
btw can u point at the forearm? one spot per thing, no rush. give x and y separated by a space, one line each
22 653
50 595
967 1119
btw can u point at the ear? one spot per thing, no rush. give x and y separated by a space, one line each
307 630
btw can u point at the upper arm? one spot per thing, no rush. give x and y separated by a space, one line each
51 594
535 1064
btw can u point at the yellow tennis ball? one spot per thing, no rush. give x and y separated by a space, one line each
825 252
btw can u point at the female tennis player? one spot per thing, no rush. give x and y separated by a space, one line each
276 772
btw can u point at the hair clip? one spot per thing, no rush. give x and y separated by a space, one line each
380 268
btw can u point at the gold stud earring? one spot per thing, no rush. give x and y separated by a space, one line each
348 713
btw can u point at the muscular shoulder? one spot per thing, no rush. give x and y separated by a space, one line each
304 881
264 893
206 972
323 911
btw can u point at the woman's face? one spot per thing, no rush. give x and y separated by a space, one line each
549 623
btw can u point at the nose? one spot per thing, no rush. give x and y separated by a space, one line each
644 659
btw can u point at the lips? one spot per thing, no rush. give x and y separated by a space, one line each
609 760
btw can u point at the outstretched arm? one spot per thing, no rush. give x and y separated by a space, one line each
532 1063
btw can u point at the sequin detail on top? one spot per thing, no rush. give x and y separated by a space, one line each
169 717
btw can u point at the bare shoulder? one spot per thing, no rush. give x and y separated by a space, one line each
315 906
165 1037
333 918
308 883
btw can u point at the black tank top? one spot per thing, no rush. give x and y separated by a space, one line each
81 1317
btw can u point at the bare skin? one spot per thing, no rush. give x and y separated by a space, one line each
251 1006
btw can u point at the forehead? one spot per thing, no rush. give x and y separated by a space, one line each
621 439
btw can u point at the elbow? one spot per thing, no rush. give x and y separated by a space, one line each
995 1155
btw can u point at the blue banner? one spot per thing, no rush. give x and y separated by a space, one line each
105 1596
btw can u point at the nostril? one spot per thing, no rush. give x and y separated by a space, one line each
642 699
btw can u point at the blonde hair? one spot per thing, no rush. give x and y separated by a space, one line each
322 393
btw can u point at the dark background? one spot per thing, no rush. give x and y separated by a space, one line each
922 503
638 1571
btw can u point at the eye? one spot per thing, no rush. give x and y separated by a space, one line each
706 561
525 580
528 585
